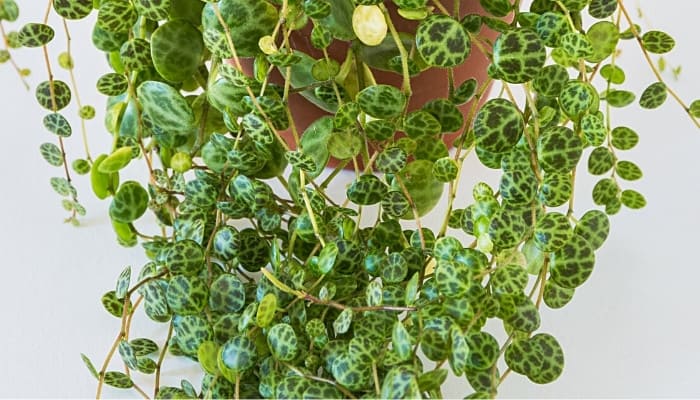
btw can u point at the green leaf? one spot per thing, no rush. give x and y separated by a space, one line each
694 109
129 203
602 9
53 100
35 35
184 257
52 154
577 98
658 42
518 55
464 92
266 310
653 96
600 161
327 257
556 296
187 295
381 101
176 49
613 73
119 159
624 138
442 42
118 380
89 365
401 341
366 190
123 283
483 350
552 355
633 199
572 264
127 354
227 294
559 149
283 342
237 355
628 170
166 107
143 346
343 321
498 126
619 98
550 80
603 36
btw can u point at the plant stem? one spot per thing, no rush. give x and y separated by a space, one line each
406 86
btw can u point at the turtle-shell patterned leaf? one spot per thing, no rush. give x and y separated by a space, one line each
247 20
401 341
445 169
112 84
576 44
155 303
52 154
291 387
108 41
184 257
343 321
135 54
366 190
577 98
381 101
127 354
283 342
498 126
624 138
509 279
395 204
507 228
452 278
35 35
317 8
421 123
226 243
628 170
9 10
602 9
238 354
551 27
605 191
54 100
300 160
600 161
123 283
447 114
118 380
187 295
552 358
399 383
619 98
165 106
653 96
116 16
380 129
155 10
321 390
176 49
143 346
519 55
394 268
483 350
518 187
464 92
62 186
524 316
552 231
559 149
201 192
348 372
594 226
524 357
391 160
556 296
114 305
594 129
572 264
442 42
459 350
658 42
633 199
129 203
482 381
550 80
190 332
73 9
434 345
430 149
57 124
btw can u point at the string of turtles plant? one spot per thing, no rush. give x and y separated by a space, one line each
293 293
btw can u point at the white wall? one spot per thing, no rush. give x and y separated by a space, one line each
629 332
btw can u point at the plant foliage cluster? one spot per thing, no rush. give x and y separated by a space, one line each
291 293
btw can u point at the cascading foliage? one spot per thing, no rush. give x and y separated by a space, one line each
291 293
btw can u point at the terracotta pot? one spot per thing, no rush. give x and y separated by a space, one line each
428 85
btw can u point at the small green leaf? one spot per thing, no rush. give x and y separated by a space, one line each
89 365
442 42
118 380
283 342
624 138
123 283
266 310
653 96
628 170
127 354
633 199
658 42
35 35
381 101
119 159
619 98
343 321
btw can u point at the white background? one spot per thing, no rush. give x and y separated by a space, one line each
631 330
